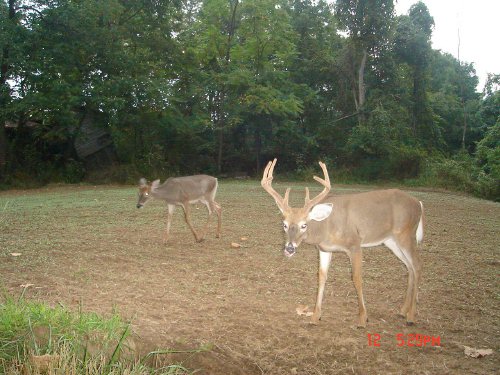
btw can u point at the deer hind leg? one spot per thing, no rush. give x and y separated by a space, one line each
324 264
170 212
211 207
356 265
404 247
208 205
187 215
408 244
218 211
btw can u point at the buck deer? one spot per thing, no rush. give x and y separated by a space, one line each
348 223
183 191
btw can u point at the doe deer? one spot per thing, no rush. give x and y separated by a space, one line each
183 191
348 223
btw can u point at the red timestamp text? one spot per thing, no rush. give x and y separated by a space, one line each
406 339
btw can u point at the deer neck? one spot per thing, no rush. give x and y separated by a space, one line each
167 191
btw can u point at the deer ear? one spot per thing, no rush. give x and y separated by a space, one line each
143 182
320 212
155 184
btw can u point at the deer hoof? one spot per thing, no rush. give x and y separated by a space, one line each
315 320
362 323
409 323
403 312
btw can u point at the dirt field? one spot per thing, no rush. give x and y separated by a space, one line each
91 246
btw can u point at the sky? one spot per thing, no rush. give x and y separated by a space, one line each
477 22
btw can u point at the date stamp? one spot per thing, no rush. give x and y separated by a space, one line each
406 339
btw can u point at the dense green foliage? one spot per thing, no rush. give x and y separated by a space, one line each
221 86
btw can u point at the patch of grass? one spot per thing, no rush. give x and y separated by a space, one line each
36 338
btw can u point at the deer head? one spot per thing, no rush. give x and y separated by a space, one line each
296 220
145 191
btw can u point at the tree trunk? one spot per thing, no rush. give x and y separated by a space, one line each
4 94
462 95
220 130
221 117
258 147
3 145
416 99
465 124
361 88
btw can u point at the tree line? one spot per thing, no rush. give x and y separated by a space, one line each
222 86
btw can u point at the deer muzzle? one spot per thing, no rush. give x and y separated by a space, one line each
290 250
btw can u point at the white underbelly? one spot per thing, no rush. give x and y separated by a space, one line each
372 244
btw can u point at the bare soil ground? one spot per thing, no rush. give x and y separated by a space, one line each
90 247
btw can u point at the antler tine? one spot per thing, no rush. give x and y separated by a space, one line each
268 174
327 186
287 194
266 183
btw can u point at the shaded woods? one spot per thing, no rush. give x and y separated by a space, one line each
109 90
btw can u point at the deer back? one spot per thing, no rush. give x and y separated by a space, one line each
366 218
186 189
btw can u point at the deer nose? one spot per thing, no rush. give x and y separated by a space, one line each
139 205
290 249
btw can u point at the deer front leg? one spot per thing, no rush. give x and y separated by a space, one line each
356 264
170 212
325 258
187 216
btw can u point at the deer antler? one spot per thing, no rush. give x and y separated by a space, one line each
266 183
309 203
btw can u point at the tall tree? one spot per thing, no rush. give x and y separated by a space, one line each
212 39
367 23
9 24
265 52
316 72
108 57
413 45
450 86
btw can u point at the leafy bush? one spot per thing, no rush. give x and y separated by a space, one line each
405 162
379 148
461 173
454 174
488 160
74 171
488 186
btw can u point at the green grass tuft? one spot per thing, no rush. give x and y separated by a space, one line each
36 338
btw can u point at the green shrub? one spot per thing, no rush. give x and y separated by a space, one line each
74 172
451 174
488 186
461 173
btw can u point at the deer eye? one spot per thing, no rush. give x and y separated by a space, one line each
303 226
285 226
146 194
